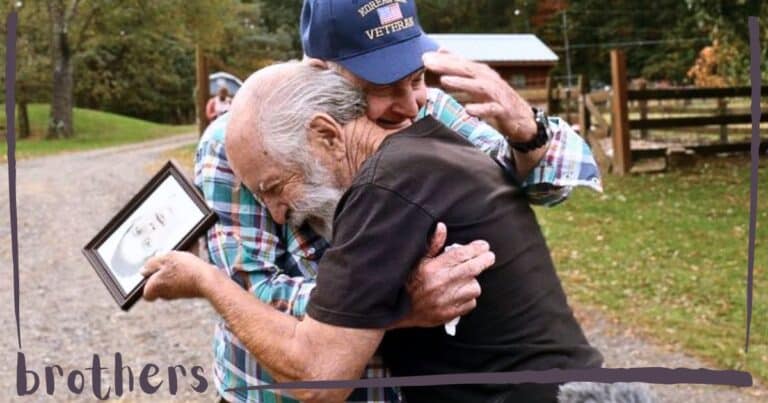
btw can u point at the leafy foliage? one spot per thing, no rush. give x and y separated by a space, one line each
727 23
138 66
480 16
704 73
136 57
143 63
258 34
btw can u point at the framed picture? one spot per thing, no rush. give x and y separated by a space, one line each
167 214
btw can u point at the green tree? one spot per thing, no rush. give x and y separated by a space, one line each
69 30
659 41
140 63
259 33
32 59
480 16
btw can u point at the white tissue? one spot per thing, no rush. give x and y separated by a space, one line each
450 326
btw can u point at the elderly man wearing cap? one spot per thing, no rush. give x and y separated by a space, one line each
379 46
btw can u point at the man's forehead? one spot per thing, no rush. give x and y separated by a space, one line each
245 153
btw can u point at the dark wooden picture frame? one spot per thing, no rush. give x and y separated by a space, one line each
91 251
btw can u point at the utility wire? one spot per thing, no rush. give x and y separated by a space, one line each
628 44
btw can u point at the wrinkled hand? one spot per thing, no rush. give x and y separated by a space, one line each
175 275
491 96
445 287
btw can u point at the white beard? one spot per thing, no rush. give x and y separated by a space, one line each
318 204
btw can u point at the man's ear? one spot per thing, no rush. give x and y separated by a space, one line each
324 134
311 61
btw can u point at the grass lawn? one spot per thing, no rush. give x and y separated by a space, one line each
184 156
93 129
666 254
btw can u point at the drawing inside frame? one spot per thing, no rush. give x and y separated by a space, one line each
167 214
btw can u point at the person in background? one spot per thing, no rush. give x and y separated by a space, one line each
218 104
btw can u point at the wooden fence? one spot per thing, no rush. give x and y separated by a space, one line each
623 156
675 115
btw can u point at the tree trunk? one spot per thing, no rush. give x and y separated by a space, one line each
60 124
22 115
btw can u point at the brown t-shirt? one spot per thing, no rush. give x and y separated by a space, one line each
420 176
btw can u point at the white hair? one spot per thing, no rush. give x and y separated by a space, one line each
286 113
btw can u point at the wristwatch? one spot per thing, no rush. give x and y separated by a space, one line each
542 133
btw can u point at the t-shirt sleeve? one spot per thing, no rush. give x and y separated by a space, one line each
379 237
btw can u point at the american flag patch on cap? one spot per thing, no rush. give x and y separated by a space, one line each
389 13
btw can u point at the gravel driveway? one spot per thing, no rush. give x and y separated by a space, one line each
68 316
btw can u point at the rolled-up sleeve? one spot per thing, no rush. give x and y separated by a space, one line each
568 162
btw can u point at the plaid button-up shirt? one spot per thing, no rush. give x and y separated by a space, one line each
278 263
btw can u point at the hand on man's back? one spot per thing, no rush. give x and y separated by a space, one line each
443 287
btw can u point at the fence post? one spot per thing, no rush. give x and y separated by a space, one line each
584 122
201 77
550 101
568 103
722 107
643 106
622 155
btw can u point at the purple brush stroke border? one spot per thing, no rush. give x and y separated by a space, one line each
608 375
754 73
605 375
10 138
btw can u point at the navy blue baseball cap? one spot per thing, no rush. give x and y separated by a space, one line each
380 41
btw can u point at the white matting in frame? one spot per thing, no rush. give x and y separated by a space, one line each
167 214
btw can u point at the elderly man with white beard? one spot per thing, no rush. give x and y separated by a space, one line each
381 193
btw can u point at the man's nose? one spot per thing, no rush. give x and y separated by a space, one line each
277 209
405 103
